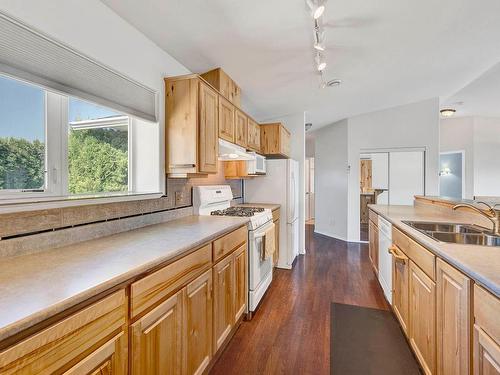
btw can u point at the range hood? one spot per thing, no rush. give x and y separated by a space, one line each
230 151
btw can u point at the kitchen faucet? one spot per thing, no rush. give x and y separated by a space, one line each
491 214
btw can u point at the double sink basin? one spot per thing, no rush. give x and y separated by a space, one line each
456 233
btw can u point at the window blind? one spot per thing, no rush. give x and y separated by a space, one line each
28 54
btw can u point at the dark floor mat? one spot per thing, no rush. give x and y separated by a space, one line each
368 341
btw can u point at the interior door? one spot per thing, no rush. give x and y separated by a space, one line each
406 176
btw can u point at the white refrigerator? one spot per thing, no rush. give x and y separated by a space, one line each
280 185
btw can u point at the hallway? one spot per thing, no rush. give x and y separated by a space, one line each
290 332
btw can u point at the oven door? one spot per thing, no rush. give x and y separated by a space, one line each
258 268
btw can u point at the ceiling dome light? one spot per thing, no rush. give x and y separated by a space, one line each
447 112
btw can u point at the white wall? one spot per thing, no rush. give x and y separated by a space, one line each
93 29
411 125
487 156
330 180
479 137
457 134
295 123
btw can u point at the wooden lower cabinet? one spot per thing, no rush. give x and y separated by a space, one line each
373 245
453 315
486 353
401 288
240 282
486 344
198 323
276 255
223 300
109 358
171 321
157 339
422 318
83 343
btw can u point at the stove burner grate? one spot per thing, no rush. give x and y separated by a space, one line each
238 211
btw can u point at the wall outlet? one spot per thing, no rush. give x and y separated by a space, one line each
179 198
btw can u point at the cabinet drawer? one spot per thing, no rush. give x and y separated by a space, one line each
229 242
276 214
61 346
150 290
417 253
373 217
487 312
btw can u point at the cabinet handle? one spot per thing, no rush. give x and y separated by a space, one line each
183 165
399 258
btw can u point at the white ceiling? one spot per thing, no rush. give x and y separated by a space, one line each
387 53
481 97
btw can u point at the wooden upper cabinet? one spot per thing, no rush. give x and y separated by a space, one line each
401 287
224 84
422 321
69 346
191 126
208 130
454 322
157 339
275 140
486 342
241 124
227 129
198 323
253 140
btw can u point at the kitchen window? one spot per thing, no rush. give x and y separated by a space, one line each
53 145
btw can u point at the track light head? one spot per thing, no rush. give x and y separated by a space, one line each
317 8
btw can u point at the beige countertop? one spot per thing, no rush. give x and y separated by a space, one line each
271 206
480 263
35 287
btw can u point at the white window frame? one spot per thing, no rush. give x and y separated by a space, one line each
53 147
56 161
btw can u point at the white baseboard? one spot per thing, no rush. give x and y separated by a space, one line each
338 237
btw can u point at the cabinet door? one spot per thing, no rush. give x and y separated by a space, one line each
208 143
284 141
226 120
401 287
198 323
486 354
253 135
373 243
276 254
240 282
422 322
157 339
223 300
241 128
453 320
108 359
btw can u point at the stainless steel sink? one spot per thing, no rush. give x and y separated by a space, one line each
456 233
467 239
445 227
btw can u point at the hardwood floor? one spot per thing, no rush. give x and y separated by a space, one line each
290 332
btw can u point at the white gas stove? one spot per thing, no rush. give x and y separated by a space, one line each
216 201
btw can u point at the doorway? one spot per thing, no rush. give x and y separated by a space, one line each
452 174
309 177
389 177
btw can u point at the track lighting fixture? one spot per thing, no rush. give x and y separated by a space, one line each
320 62
317 8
